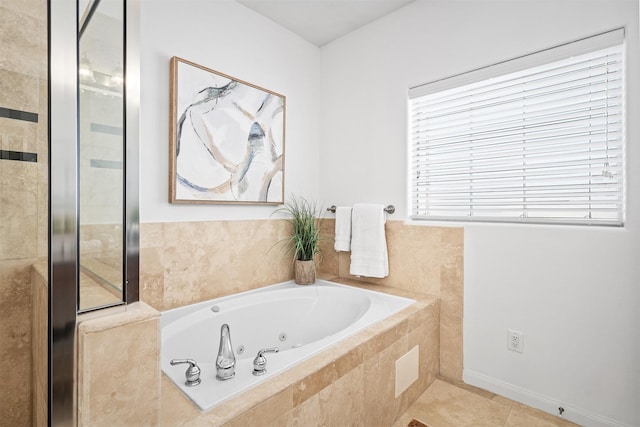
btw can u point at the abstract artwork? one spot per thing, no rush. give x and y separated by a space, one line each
226 138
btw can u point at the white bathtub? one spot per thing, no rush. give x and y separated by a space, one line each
300 320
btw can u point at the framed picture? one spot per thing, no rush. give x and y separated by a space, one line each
227 138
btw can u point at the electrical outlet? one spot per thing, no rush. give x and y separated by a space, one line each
515 341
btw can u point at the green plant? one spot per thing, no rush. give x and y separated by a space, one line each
303 217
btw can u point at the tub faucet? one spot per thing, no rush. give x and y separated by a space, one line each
226 361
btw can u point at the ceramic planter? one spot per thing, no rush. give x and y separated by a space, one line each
305 272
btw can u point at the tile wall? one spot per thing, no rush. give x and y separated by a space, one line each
23 193
40 342
421 259
119 367
186 262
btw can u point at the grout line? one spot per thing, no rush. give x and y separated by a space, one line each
508 413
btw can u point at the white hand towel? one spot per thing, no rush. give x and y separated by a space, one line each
343 229
368 242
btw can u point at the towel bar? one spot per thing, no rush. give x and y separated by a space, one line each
389 209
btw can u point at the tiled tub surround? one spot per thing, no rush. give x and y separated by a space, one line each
183 263
300 321
422 259
119 367
350 383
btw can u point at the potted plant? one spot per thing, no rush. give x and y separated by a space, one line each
303 243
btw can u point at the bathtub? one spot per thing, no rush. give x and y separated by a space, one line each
300 320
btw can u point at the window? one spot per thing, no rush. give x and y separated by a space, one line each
538 139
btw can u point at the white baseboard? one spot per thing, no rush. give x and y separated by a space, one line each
535 400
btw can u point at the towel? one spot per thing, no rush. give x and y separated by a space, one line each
343 229
368 242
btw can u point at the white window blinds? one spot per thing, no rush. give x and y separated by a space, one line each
543 143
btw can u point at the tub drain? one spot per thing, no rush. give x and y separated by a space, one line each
282 337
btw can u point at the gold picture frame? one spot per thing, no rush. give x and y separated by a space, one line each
227 138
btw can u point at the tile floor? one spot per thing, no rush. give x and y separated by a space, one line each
448 405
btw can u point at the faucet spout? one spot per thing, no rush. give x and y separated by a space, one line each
226 361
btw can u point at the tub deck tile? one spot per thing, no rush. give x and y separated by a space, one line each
329 373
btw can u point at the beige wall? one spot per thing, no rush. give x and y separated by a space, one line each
23 196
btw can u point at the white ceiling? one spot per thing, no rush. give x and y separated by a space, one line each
321 21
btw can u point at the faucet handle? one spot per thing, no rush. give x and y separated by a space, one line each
260 362
192 373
